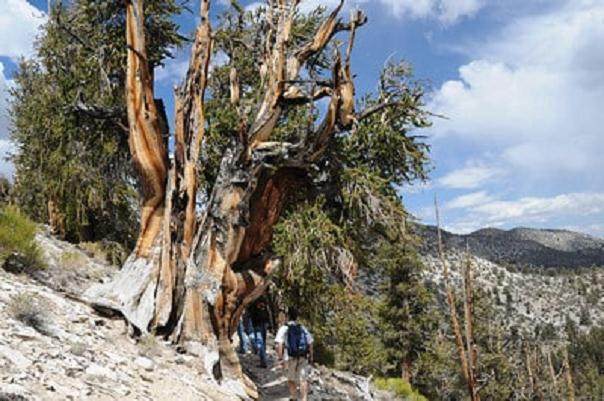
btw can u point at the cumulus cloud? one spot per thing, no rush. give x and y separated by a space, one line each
538 85
19 23
473 175
485 210
469 200
174 70
445 11
531 99
540 209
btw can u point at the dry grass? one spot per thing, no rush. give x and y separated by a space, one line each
72 260
106 251
149 346
30 310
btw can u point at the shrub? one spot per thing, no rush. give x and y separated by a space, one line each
72 260
30 310
400 387
149 346
18 249
107 251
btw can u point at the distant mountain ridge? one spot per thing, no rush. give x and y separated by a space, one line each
522 246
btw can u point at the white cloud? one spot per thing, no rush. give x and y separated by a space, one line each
19 23
540 209
445 11
174 70
473 175
530 100
484 210
451 11
534 93
469 200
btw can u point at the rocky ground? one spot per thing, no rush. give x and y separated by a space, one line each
54 347
534 297
529 300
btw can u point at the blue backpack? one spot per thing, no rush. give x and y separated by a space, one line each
297 343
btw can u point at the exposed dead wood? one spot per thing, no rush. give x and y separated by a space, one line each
552 372
469 326
56 220
451 301
191 121
191 276
468 352
568 374
529 368
146 137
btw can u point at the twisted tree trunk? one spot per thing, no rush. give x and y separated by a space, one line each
190 276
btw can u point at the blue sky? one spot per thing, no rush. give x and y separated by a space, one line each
520 81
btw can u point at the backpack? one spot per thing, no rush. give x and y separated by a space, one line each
297 343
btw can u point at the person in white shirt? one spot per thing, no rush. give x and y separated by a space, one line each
295 354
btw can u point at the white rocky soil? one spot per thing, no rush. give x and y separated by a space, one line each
68 352
534 299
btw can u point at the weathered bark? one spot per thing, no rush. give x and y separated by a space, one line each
529 368
552 373
147 132
469 326
451 302
191 276
56 220
468 352
568 374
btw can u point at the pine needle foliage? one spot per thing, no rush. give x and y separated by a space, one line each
69 119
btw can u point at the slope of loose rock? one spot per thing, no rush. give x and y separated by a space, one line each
81 356
527 300
75 354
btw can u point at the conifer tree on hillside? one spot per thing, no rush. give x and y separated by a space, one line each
408 312
69 121
272 137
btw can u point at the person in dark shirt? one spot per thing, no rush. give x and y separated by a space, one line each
244 331
260 316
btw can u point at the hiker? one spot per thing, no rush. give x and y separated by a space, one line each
244 332
260 317
294 338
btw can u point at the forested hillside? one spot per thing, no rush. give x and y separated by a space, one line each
524 247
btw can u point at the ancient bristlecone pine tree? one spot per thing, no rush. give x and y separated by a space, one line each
193 272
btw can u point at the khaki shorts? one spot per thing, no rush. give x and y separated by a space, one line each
297 369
